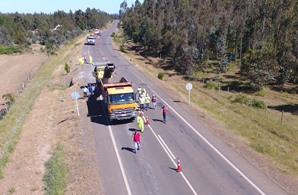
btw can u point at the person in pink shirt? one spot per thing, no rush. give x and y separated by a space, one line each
137 141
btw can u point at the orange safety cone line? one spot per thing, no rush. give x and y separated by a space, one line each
178 166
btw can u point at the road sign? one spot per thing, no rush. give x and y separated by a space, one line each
75 95
188 86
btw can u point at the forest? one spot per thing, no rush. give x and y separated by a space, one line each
259 36
18 31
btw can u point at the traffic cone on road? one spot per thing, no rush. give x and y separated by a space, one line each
178 166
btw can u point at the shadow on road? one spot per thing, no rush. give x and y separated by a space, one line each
128 149
174 169
96 111
157 120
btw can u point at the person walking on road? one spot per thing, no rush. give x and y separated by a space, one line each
164 114
141 120
137 141
154 101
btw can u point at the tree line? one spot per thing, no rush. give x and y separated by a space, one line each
261 36
50 30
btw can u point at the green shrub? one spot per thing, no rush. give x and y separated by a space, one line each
260 93
212 85
9 97
244 99
113 34
259 104
122 48
9 49
67 68
240 98
160 75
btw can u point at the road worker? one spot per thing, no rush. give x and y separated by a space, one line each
147 101
144 93
139 92
141 120
142 102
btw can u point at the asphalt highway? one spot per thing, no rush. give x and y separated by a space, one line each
209 166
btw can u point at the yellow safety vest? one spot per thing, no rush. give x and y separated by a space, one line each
147 99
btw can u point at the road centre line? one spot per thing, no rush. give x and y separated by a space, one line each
168 153
166 147
210 145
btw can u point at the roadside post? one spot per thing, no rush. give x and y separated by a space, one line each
75 96
189 87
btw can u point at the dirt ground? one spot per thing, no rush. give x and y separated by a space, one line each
15 70
53 119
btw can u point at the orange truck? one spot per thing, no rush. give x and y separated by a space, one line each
119 99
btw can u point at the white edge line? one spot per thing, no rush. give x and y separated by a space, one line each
120 162
215 149
118 157
168 153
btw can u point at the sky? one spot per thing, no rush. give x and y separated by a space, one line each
50 6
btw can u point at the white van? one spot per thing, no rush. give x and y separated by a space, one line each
90 40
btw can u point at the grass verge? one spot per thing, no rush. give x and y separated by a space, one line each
55 177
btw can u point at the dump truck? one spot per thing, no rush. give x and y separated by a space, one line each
119 99
103 71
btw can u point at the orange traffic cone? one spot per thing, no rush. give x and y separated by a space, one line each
178 166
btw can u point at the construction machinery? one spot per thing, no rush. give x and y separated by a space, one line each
103 71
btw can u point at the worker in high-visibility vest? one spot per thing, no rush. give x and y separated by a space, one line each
140 120
144 93
90 60
81 60
139 92
147 101
142 102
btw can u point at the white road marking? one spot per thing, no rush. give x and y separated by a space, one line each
213 147
120 162
118 157
166 147
169 153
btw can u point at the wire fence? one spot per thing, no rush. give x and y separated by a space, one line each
13 129
18 91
